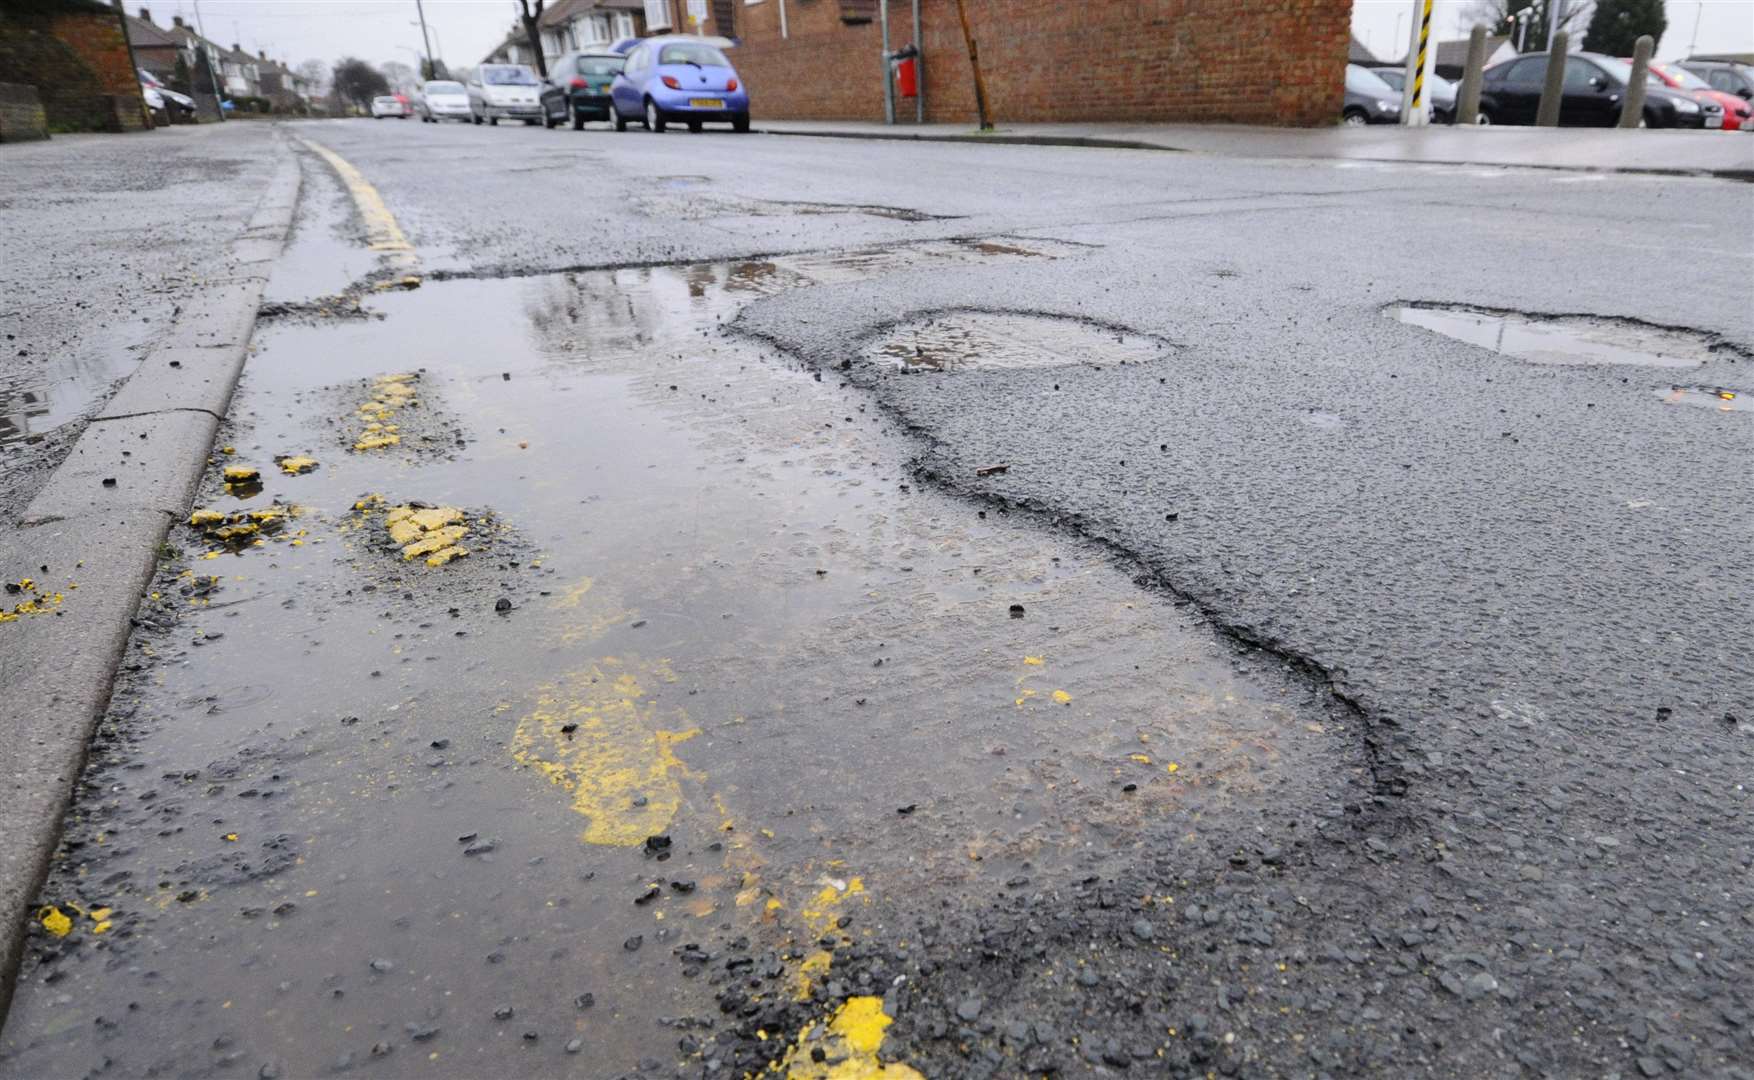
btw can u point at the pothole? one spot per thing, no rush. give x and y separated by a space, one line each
1564 339
985 340
1720 398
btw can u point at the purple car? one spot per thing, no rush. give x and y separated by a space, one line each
682 80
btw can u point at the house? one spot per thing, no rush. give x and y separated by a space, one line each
241 73
570 25
283 89
1452 56
155 49
191 46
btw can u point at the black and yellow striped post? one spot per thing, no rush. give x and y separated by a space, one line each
1414 110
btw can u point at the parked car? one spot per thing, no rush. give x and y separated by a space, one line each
1591 93
1737 110
1440 93
389 106
1369 100
578 87
1732 78
504 92
182 103
687 80
442 99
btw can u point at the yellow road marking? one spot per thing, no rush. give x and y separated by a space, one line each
381 231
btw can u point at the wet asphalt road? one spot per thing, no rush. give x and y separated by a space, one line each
1039 590
101 240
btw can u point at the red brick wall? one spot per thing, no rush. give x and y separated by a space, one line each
1247 61
97 39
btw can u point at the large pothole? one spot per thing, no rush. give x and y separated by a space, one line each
982 340
1562 339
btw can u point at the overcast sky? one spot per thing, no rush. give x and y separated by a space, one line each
464 30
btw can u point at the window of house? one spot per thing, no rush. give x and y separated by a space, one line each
623 26
657 14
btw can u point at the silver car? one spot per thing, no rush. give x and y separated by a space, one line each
441 99
505 91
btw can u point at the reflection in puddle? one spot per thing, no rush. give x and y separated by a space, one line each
1563 340
1719 398
978 339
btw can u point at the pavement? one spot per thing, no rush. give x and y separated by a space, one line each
1728 155
927 614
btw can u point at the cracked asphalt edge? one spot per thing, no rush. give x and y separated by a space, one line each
1098 142
96 527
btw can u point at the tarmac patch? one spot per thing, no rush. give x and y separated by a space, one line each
1007 341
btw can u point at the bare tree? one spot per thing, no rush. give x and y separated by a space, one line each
315 74
530 16
1500 17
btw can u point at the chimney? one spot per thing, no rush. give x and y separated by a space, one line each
263 53
177 21
145 16
235 47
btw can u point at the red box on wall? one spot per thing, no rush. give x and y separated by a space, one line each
906 78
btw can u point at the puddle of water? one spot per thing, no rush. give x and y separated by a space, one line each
1567 340
981 340
1720 398
744 627
36 399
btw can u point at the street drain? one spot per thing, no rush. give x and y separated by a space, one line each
1565 339
1719 398
980 340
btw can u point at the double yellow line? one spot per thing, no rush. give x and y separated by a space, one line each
383 234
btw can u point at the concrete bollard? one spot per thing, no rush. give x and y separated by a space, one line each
1632 109
1468 101
1554 88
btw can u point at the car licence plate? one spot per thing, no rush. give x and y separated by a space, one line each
705 103
1714 121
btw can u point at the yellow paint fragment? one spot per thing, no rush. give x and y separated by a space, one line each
206 517
1034 661
439 558
436 540
1062 697
293 466
241 474
54 921
849 1044
1143 759
1172 767
377 442
597 735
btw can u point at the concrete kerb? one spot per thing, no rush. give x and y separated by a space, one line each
153 439
1743 175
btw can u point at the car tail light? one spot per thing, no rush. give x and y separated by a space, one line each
670 81
580 84
730 84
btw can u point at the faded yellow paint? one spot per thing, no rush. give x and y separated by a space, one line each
293 466
811 971
849 1043
440 558
206 517
827 906
390 393
597 735
572 595
241 474
381 231
1062 697
1034 661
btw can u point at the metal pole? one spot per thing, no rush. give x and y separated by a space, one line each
431 68
1553 89
888 83
1632 109
1468 100
1413 104
207 61
1698 13
783 33
1555 8
919 69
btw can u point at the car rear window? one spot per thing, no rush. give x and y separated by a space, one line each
690 53
507 75
1684 79
600 65
444 88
